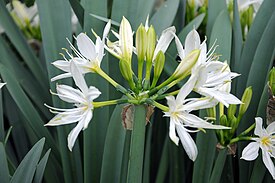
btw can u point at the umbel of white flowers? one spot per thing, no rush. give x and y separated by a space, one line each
207 76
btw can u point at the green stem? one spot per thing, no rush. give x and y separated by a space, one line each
109 102
158 105
237 139
248 130
135 165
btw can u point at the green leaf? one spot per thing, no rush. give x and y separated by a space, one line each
78 10
20 43
161 19
113 151
222 33
204 162
258 171
215 7
4 169
26 107
253 38
25 171
41 167
164 162
137 145
2 129
218 167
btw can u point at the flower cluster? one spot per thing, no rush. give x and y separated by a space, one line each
205 75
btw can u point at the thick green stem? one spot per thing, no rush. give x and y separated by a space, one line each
135 166
237 139
109 102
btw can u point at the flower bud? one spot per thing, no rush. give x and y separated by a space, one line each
231 111
271 80
159 64
141 42
223 120
126 41
126 70
186 64
246 98
151 43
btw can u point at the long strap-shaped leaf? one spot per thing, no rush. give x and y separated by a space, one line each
20 43
4 169
25 171
135 167
218 167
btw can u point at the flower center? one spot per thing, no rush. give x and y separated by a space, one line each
266 141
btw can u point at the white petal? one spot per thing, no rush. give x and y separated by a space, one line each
99 50
62 65
164 40
187 143
171 103
88 117
172 132
61 76
78 78
106 30
74 134
86 46
250 152
186 89
271 128
70 94
93 93
179 48
200 103
126 38
269 164
196 122
259 127
2 84
192 41
64 118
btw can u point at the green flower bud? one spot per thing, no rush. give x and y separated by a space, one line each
159 64
246 98
271 80
185 66
141 42
151 43
234 125
223 120
211 112
126 71
231 111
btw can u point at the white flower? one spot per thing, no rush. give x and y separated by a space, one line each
213 78
88 58
123 48
265 141
180 118
164 41
243 5
82 99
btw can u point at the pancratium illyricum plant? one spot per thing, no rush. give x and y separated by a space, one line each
205 75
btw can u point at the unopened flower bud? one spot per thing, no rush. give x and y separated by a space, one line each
186 64
159 64
141 42
126 70
271 80
246 98
223 120
231 111
151 43
126 33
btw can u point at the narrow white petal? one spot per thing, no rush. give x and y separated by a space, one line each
250 152
179 48
99 50
61 76
187 142
171 101
87 119
62 65
74 134
65 118
259 127
192 41
269 164
86 46
2 84
186 89
93 93
271 128
164 40
200 103
106 30
70 94
196 122
78 78
172 132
